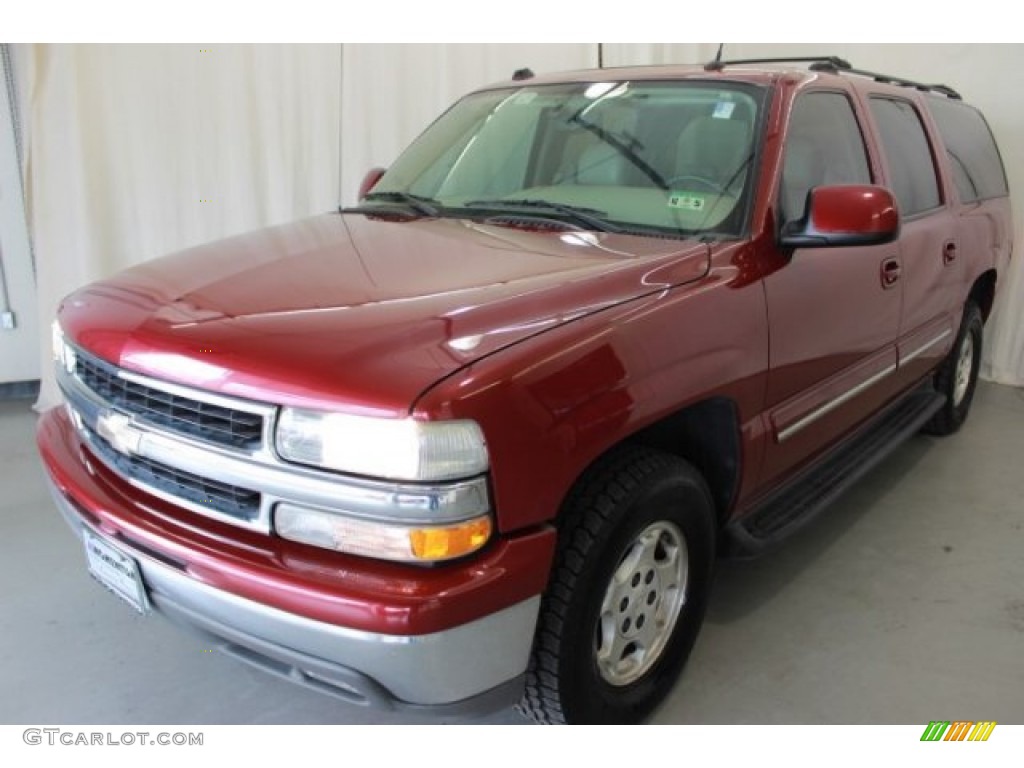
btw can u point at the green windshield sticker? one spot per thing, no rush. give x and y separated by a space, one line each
686 201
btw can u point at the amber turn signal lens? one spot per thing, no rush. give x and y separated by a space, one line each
450 541
405 543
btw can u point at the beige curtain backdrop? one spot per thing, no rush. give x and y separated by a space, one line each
132 152
135 151
987 76
390 93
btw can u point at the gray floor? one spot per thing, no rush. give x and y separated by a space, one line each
904 604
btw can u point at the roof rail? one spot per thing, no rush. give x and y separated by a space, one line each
945 90
822 62
837 65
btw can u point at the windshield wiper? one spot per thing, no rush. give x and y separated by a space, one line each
591 218
426 206
626 145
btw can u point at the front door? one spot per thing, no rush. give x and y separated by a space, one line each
833 313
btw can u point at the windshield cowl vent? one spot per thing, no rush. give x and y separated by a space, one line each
537 224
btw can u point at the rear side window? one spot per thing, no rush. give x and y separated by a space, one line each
973 156
824 145
911 166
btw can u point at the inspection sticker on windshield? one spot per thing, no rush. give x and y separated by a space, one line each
686 201
723 110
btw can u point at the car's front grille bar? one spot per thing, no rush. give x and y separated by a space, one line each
230 500
231 427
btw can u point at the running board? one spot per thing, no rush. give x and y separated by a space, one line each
790 508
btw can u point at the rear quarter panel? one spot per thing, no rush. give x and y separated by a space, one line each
985 231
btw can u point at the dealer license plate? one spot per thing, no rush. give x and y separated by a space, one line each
116 571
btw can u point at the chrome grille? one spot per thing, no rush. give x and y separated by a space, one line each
231 500
154 447
213 423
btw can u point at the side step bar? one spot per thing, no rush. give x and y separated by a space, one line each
791 507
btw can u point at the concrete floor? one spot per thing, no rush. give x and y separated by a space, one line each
903 604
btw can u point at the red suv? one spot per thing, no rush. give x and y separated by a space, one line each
480 439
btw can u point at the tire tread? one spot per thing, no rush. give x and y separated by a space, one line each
588 511
949 418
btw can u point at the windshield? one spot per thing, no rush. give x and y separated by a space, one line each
664 158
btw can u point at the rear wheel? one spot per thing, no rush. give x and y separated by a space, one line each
627 593
958 375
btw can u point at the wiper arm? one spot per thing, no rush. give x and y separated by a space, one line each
625 148
725 187
589 217
426 206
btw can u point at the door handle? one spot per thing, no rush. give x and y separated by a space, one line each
891 271
949 253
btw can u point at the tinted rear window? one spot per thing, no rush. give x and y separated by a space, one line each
910 157
973 156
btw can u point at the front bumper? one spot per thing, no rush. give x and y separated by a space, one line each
469 667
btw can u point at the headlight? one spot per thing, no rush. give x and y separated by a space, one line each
394 449
63 353
57 342
409 543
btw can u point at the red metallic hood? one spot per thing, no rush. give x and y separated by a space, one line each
346 311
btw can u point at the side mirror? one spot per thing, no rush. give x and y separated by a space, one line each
370 181
844 215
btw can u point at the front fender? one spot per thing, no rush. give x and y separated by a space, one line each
551 405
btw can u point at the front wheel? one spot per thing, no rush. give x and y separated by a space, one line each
627 593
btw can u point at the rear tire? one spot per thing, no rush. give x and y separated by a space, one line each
957 377
627 593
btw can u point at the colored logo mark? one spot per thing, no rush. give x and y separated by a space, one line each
959 730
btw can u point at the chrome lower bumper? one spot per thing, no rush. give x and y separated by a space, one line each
468 669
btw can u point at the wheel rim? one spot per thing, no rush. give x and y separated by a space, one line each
642 604
964 368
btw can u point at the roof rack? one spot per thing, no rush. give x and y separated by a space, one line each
945 90
837 65
833 62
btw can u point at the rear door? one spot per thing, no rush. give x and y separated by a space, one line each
833 313
978 188
929 250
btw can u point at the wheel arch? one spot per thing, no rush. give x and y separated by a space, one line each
983 292
707 435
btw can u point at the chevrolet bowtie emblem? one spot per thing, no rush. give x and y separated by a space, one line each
118 430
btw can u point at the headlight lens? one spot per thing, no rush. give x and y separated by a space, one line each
395 449
408 543
57 341
63 353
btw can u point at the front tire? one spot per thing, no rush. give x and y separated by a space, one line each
957 377
627 593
